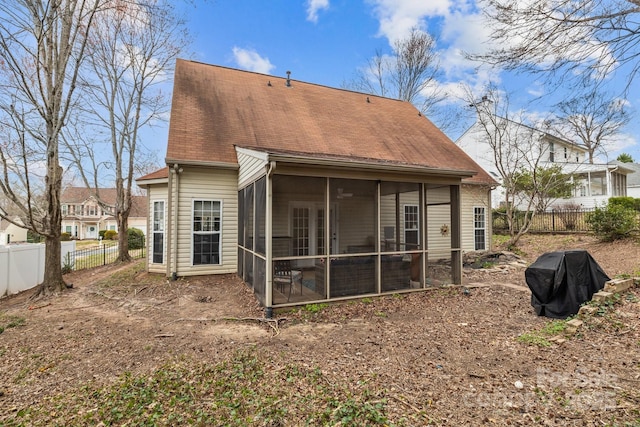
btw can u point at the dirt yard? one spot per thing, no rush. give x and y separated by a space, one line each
443 357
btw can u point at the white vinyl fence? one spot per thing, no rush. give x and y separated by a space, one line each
22 266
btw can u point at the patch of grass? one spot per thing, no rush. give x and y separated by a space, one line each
7 322
541 336
367 300
532 338
499 239
315 308
488 264
248 389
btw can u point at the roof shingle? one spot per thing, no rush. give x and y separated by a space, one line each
216 108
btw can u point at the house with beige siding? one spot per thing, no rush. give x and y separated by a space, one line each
309 193
83 216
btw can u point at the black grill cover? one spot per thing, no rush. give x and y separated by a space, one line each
562 281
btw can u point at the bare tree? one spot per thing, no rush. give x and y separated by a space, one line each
518 153
592 119
408 75
585 38
134 48
42 46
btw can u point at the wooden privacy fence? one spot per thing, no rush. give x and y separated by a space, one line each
553 221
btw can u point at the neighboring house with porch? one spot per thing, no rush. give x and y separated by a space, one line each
83 217
633 179
595 182
309 193
12 233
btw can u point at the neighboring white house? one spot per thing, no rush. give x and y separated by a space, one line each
595 182
633 179
83 217
309 193
12 233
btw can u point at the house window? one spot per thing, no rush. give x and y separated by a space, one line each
158 232
65 210
551 152
206 232
68 229
91 211
300 230
479 228
411 230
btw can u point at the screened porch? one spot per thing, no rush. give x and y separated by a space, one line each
310 239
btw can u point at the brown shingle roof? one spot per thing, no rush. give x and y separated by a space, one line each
159 174
78 195
216 108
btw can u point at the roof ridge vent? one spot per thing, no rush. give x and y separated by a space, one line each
288 78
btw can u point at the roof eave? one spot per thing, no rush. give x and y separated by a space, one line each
363 165
221 165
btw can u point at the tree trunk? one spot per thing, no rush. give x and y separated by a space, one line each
53 281
123 236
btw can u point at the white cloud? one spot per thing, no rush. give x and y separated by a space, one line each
398 17
313 6
249 59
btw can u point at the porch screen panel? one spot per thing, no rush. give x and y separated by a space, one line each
261 215
295 220
400 233
249 217
242 214
356 204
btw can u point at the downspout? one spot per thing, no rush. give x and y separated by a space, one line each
169 243
174 241
269 243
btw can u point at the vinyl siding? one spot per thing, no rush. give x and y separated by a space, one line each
252 166
156 193
207 184
474 196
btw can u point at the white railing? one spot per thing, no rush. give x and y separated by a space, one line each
22 266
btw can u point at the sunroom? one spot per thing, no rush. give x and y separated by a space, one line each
317 229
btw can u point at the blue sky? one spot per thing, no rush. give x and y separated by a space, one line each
326 41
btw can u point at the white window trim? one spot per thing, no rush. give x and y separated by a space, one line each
484 208
404 222
164 230
192 232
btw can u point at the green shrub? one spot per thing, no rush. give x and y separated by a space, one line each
110 235
34 237
136 238
613 221
101 233
626 202
65 237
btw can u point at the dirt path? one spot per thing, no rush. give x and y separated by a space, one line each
449 354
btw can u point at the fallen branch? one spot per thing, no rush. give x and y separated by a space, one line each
36 307
164 335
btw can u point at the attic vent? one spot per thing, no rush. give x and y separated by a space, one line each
288 78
